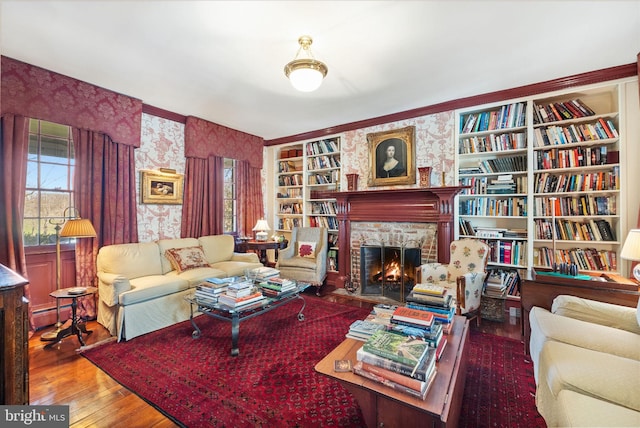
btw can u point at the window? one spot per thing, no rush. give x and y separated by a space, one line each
230 197
49 190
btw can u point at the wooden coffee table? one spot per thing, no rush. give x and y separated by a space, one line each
383 406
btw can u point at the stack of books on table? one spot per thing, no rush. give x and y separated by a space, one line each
207 292
241 294
436 300
264 273
364 329
419 323
277 286
404 363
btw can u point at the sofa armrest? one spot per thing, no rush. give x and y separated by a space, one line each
110 287
607 314
245 257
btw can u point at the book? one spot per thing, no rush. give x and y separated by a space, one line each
409 382
357 369
363 329
341 366
420 372
397 347
431 289
413 316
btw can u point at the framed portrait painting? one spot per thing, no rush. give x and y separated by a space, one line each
392 157
158 187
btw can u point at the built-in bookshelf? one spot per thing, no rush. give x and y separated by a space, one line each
302 170
544 179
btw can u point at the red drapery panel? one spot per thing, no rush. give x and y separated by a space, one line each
105 186
14 146
250 203
37 93
202 209
203 139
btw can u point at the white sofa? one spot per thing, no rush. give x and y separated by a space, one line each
586 357
140 290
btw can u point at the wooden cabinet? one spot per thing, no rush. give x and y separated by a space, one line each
14 341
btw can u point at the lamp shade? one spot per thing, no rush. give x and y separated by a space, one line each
78 228
631 248
260 228
305 72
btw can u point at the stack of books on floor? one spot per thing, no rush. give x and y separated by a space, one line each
404 363
277 286
241 294
496 284
436 300
208 291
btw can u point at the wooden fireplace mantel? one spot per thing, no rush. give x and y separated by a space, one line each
414 205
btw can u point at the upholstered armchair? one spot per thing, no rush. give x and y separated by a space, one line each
463 277
305 258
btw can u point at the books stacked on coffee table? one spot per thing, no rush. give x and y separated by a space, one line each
263 273
241 294
436 300
419 323
208 291
404 363
364 329
276 286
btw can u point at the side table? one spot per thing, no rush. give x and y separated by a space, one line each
261 247
77 326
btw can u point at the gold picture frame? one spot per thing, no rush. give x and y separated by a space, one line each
157 187
392 167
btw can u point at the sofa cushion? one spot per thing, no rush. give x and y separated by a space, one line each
130 260
298 262
307 249
610 315
217 248
165 244
152 287
236 268
573 409
186 258
198 275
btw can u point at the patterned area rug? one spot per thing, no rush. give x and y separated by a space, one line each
272 383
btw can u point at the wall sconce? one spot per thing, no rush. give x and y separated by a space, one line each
261 229
631 251
74 227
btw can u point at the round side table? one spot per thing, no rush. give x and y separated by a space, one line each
77 326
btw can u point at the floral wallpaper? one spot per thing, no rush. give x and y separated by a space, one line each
161 146
433 141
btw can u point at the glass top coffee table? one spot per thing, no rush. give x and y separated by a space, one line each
236 315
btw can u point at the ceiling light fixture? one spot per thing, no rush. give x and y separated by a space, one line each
305 72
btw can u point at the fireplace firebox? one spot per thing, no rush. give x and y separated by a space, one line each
388 271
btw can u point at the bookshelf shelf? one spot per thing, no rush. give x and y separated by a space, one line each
562 171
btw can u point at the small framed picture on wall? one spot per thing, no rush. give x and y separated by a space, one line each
157 187
392 157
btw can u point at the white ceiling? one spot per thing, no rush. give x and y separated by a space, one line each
223 60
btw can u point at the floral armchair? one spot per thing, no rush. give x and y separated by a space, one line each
463 277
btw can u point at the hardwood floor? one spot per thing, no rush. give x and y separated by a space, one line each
59 375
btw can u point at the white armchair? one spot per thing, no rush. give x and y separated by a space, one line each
463 277
305 258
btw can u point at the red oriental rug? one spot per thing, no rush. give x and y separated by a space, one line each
196 383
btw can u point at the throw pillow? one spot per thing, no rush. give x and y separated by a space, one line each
186 258
307 249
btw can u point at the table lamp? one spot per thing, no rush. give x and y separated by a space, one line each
75 227
631 250
261 229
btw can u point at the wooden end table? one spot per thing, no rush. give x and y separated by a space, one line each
77 326
383 406
261 248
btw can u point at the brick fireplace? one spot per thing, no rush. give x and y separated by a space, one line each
393 216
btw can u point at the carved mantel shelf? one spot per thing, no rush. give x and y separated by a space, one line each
414 205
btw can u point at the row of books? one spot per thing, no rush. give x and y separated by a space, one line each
575 133
328 222
562 110
289 166
324 207
501 282
571 158
289 223
480 185
582 205
508 252
290 194
322 146
504 164
293 208
569 230
506 116
290 180
323 162
582 182
585 258
509 206
493 143
326 178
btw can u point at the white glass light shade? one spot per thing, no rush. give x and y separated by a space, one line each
305 72
306 79
631 250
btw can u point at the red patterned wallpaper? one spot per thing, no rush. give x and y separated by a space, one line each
203 138
42 94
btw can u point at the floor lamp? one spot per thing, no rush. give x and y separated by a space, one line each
75 227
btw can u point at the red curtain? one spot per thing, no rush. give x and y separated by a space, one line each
250 203
105 193
14 146
202 209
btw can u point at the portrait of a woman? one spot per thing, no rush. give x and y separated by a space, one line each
391 158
